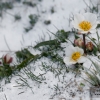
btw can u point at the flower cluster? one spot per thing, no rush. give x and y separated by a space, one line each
84 23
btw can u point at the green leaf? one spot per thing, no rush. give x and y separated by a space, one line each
27 61
23 54
50 42
29 3
97 67
33 19
98 26
94 80
95 49
62 35
81 84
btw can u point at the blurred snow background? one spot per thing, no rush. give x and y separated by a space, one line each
13 32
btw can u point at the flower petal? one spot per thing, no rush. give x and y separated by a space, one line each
82 59
69 51
83 32
93 31
68 61
75 25
90 17
94 25
80 50
78 18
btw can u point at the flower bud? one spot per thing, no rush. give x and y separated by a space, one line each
7 59
89 46
78 42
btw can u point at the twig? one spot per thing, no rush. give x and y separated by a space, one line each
5 97
7 44
7 51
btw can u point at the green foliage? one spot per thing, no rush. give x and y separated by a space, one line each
17 17
50 42
95 49
47 22
93 78
6 5
98 26
52 10
5 71
92 8
81 84
28 29
61 36
24 58
33 19
51 48
29 4
27 61
23 54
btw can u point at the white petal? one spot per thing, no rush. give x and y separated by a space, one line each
82 59
67 61
90 17
75 25
98 22
83 32
69 51
93 31
78 18
80 50
94 25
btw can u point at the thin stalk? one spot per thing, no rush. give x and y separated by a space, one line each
84 46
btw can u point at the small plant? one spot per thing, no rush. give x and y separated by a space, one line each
29 4
33 19
52 10
4 6
93 78
94 75
28 29
47 22
17 17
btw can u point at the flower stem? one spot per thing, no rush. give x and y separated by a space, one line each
84 45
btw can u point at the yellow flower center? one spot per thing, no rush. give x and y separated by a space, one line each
76 56
85 25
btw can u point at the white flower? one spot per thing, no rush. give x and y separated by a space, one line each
85 23
74 55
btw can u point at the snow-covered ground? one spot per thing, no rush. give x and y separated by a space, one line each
13 33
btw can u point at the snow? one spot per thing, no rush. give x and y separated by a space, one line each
13 32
